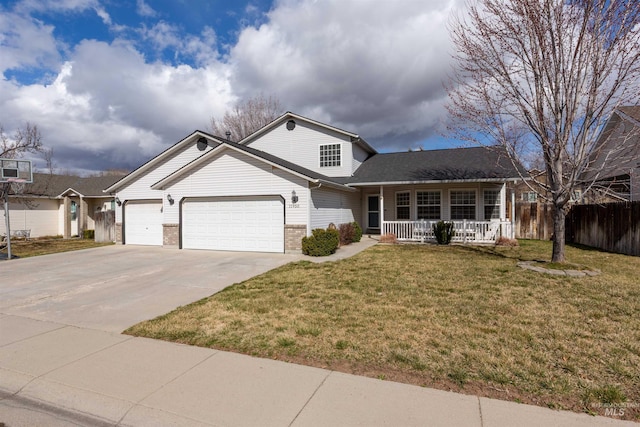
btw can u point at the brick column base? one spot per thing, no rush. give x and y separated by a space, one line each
171 235
118 232
293 234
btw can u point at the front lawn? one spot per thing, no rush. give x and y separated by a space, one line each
456 318
43 246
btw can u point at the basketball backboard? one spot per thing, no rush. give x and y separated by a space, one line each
15 170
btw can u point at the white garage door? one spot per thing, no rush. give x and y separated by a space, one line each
143 223
248 224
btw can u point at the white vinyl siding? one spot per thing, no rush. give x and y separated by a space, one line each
301 146
248 224
333 206
359 156
231 173
140 188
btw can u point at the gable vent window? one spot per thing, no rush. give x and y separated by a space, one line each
330 155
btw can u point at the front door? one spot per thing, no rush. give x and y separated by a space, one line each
373 211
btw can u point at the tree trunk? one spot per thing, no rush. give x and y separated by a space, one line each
558 234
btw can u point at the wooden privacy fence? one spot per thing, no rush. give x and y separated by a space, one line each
533 221
614 227
105 226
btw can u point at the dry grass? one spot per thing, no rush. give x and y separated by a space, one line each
44 246
451 317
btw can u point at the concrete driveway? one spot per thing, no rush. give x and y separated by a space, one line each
114 287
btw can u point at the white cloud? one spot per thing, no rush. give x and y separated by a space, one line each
144 9
26 43
375 68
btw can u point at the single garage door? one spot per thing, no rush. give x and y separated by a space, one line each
143 222
248 224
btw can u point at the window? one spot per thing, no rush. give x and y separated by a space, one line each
463 204
74 209
428 203
403 205
330 155
529 196
491 204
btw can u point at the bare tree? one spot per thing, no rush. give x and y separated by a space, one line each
541 77
247 117
26 140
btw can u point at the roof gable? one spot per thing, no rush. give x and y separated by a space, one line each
162 157
272 160
355 138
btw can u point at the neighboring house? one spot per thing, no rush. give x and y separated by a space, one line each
615 166
274 187
58 204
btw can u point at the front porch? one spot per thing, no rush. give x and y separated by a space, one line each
464 231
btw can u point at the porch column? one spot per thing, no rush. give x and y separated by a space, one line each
513 213
381 210
66 232
83 216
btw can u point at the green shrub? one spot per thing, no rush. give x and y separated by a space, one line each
89 234
321 242
443 232
357 232
346 233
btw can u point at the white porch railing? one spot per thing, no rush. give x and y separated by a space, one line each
465 231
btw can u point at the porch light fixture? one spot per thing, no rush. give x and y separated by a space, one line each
294 197
170 199
118 202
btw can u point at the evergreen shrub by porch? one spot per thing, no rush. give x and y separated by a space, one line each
443 232
357 232
321 242
88 234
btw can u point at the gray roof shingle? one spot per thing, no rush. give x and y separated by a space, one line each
453 164
50 185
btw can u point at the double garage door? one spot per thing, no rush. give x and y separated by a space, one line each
249 224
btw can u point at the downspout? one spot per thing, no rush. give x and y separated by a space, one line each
309 209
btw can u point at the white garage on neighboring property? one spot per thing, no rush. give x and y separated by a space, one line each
247 223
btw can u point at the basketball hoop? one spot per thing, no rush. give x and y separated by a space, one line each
13 171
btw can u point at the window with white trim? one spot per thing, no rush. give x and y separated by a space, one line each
529 196
491 204
330 155
403 205
463 204
428 204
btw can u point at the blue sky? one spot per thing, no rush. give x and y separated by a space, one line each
112 83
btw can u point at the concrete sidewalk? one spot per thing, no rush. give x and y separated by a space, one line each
89 377
63 364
